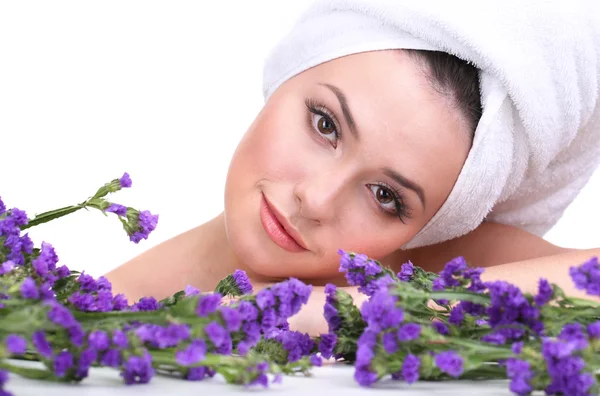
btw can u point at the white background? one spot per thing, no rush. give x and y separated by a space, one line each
162 90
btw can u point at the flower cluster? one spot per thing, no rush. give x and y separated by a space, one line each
71 321
545 341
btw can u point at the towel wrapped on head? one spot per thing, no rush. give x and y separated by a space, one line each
538 140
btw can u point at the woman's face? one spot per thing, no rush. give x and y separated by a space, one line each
357 154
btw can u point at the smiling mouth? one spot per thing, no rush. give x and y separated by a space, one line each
278 229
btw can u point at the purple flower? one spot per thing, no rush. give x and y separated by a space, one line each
296 344
216 334
593 329
364 376
375 284
191 291
242 281
119 339
103 284
138 369
410 368
46 261
145 304
265 299
247 310
63 271
380 312
438 284
231 317
2 211
62 363
510 311
3 379
517 347
316 360
192 354
494 338
61 316
329 309
453 268
117 209
76 334
208 304
587 276
125 180
146 223
29 289
409 332
85 361
545 292
198 373
87 282
16 344
573 333
327 344
520 373
7 266
390 343
111 358
98 340
41 344
440 327
372 268
261 377
450 363
565 369
406 271
119 302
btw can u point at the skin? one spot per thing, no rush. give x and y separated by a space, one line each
325 176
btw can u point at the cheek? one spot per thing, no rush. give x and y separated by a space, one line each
276 148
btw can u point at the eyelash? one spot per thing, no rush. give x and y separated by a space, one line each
318 108
402 210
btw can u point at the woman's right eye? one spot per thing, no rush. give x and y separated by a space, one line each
325 127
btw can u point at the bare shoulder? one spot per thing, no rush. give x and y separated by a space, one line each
488 245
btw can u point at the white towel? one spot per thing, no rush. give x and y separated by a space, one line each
538 141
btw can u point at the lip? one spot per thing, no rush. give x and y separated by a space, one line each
279 229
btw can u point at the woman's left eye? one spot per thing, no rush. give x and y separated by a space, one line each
323 122
384 197
390 201
325 127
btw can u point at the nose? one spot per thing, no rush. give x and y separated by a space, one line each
319 195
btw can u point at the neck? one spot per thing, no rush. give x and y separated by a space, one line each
221 260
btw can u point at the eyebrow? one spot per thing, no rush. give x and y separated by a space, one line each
345 109
407 183
411 185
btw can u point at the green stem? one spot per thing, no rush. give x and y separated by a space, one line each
30 372
143 316
460 296
487 372
51 215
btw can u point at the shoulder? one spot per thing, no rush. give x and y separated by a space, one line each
488 245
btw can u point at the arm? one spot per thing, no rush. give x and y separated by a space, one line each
555 268
523 274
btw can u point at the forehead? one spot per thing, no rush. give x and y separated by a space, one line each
403 122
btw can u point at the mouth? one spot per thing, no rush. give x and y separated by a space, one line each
279 229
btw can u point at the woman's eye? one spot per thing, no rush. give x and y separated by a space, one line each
325 127
385 197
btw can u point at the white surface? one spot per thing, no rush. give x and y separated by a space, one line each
163 90
330 380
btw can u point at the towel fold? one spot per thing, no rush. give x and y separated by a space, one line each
538 140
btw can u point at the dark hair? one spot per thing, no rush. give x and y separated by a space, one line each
456 79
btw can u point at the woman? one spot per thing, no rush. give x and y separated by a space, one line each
374 139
